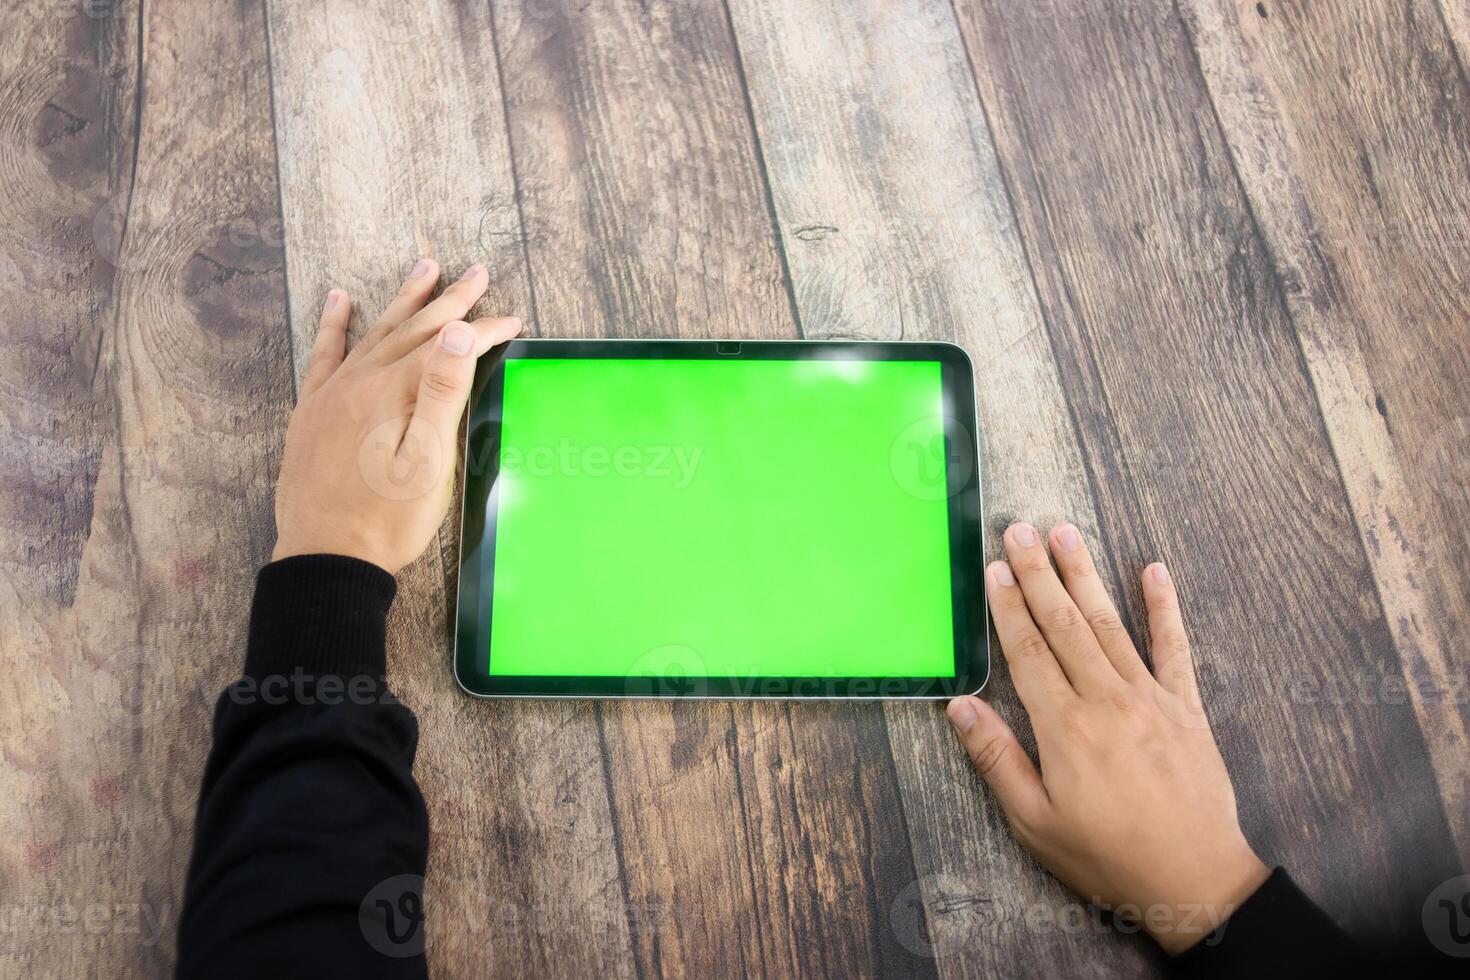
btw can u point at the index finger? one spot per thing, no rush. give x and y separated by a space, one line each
1040 682
453 304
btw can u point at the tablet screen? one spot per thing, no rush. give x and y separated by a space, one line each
728 517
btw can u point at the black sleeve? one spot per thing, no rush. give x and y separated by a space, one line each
1278 931
311 837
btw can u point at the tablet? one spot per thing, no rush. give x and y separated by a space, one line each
722 519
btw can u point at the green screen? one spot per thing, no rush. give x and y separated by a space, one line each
745 518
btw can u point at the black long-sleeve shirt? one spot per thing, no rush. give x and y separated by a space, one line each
312 838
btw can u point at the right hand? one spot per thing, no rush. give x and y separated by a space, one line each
1132 808
370 450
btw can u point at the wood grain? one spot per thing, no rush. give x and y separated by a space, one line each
182 372
885 245
754 838
1208 256
66 132
1456 16
392 149
1186 375
1372 269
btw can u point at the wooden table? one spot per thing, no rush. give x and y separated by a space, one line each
1210 259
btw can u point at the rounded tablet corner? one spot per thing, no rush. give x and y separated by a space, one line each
983 682
458 678
963 355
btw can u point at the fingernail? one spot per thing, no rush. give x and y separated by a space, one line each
1002 573
333 298
457 338
472 272
1067 538
1024 534
422 269
1161 574
961 714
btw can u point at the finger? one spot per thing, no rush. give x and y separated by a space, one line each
999 758
490 331
445 384
1173 663
1079 575
1061 622
412 296
331 341
1038 677
452 304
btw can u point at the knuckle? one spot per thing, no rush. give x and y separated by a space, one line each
1010 599
987 753
1032 560
1105 624
1165 603
1078 567
1175 642
1032 645
440 384
1065 618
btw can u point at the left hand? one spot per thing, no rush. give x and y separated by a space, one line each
370 450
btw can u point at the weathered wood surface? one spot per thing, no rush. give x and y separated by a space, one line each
1364 251
1208 258
1208 440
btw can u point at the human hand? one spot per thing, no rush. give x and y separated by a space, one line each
1132 808
370 450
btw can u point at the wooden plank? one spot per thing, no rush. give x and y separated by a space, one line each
895 221
392 148
1365 205
181 368
755 838
66 135
1456 15
1180 358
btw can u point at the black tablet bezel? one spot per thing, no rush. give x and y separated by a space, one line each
477 538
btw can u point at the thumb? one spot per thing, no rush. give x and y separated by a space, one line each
998 756
444 387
